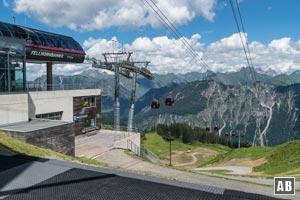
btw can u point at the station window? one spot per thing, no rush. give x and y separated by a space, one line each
89 101
52 116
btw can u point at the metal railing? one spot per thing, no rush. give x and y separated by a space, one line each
122 134
122 128
54 87
142 152
148 155
131 146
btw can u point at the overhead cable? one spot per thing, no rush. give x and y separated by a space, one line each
175 32
242 38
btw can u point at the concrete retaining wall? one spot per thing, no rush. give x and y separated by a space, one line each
13 108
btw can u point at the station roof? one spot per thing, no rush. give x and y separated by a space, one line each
33 125
44 46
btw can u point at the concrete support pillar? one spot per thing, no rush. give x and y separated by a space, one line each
24 77
131 105
49 76
117 101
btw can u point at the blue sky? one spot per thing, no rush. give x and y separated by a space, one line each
271 26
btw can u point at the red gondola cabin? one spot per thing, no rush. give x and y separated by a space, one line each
169 101
155 104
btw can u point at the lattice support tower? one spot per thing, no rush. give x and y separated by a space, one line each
122 64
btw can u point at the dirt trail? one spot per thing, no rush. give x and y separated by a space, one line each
233 169
192 159
189 163
241 166
242 162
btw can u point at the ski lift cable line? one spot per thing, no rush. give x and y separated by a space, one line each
163 21
178 33
244 32
239 30
175 33
169 27
241 38
180 36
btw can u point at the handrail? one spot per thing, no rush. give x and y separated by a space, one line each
54 87
131 146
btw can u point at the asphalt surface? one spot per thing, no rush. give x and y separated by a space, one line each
24 177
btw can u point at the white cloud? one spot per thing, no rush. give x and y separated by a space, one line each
5 3
35 70
168 55
283 45
101 14
69 69
165 54
282 55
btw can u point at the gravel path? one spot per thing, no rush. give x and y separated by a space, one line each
234 169
120 160
190 163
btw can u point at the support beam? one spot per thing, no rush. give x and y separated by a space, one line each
117 102
24 74
131 105
49 76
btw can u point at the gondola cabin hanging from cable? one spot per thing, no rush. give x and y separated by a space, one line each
155 104
169 101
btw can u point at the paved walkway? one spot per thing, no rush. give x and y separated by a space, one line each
119 160
93 144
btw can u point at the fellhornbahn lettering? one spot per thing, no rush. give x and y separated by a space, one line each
46 54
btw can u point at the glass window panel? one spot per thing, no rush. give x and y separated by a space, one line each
13 32
6 33
35 40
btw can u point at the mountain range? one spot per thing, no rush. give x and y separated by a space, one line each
99 79
260 105
264 114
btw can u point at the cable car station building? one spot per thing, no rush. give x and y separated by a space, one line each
49 118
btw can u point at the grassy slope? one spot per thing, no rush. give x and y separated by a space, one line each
17 146
282 159
160 147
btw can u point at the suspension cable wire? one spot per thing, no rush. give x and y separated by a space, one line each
247 44
241 37
174 31
179 34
